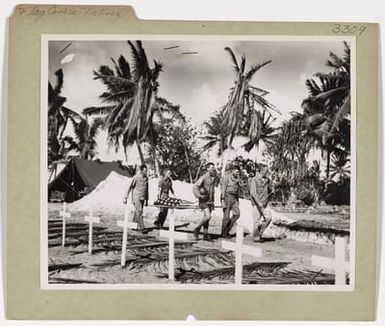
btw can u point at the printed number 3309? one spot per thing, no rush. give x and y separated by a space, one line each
349 29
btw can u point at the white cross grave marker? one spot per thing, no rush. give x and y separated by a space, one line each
64 214
338 264
171 235
240 249
91 219
125 224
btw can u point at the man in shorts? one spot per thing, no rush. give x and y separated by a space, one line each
204 190
259 184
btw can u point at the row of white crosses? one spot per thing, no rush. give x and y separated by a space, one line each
172 235
338 264
90 219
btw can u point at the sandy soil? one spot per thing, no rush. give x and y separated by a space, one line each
148 264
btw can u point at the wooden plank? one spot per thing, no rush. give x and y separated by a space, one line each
175 235
129 225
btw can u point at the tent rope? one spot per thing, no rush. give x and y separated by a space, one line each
68 185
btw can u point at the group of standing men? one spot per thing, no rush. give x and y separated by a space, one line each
204 191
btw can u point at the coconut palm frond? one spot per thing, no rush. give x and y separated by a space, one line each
226 274
115 82
118 72
233 58
255 68
59 82
140 63
103 71
264 104
124 67
256 90
96 124
342 112
117 97
242 65
163 107
158 68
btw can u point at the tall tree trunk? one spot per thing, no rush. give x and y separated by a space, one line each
199 170
226 157
327 164
140 152
189 165
156 163
125 154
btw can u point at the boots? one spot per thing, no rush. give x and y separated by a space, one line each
225 230
206 236
196 233
257 234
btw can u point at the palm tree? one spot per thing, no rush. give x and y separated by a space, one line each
216 134
245 102
327 109
132 91
290 147
58 116
85 139
340 167
257 130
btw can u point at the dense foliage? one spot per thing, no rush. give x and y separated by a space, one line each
177 148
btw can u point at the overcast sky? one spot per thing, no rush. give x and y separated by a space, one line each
199 82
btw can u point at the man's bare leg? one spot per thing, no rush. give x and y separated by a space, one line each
203 222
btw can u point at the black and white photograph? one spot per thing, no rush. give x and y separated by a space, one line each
207 162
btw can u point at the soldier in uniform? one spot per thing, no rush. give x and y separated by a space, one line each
204 190
230 192
139 188
259 184
165 187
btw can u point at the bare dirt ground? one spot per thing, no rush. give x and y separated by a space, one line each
284 260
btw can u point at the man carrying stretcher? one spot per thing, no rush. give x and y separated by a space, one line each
204 190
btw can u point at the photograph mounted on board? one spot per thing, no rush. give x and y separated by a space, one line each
198 162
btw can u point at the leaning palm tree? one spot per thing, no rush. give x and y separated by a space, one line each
133 92
245 102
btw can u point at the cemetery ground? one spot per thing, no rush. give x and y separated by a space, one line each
286 252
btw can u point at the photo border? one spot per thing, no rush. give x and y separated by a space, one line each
44 285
